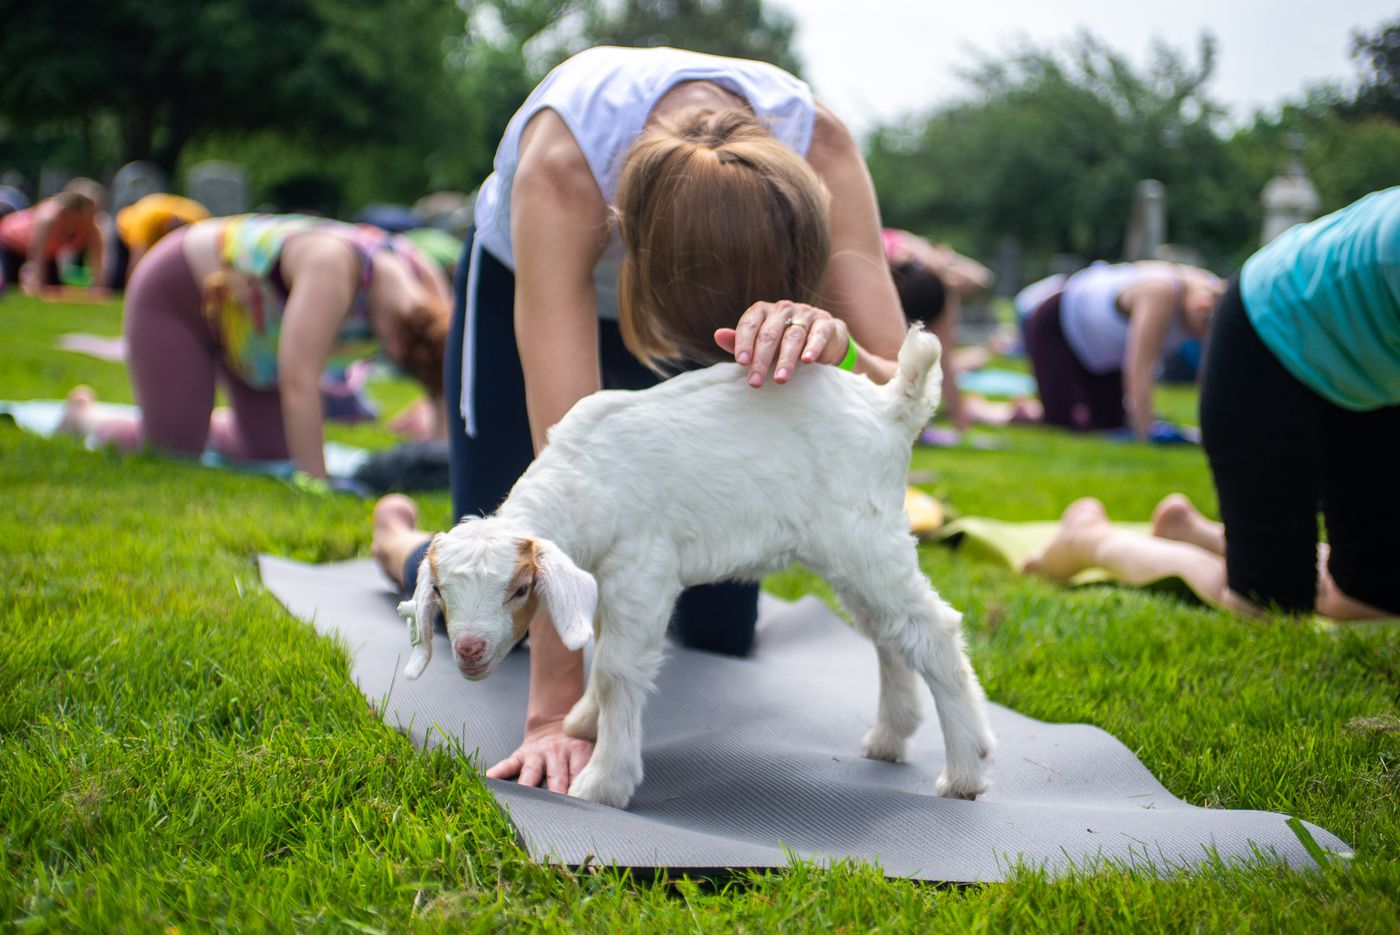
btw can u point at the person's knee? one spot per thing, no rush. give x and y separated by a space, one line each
717 618
727 641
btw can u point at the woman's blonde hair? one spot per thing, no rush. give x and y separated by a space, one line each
715 214
80 194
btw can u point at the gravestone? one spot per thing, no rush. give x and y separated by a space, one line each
51 180
1289 198
222 187
1006 268
1147 225
135 181
449 211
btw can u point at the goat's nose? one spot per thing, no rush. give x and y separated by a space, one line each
469 649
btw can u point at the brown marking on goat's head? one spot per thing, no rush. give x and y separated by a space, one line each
524 575
433 562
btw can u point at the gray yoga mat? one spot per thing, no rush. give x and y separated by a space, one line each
749 759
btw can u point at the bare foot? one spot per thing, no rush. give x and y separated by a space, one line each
1174 518
1177 518
1027 411
79 413
396 533
416 422
1072 549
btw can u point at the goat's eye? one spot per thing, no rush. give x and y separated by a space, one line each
520 592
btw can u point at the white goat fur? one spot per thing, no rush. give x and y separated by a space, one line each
699 479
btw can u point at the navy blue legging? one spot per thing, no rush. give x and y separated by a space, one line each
715 617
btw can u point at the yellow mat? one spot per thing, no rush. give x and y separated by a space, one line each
926 515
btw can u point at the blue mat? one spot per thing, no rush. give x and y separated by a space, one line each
42 417
990 381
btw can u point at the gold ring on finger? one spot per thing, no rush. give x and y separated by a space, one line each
794 323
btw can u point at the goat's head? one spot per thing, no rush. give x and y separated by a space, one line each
487 579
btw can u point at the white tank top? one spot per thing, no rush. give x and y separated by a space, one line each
1096 329
604 96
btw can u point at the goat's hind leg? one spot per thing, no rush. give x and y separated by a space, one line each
912 623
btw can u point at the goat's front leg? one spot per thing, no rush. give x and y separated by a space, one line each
582 720
624 664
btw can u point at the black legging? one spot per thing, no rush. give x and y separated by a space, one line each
1279 452
1073 396
716 617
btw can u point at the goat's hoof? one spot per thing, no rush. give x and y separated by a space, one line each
967 787
593 786
882 744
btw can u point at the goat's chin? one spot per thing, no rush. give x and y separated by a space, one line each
478 672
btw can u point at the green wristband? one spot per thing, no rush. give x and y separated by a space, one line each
849 361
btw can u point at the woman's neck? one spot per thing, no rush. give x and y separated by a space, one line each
695 95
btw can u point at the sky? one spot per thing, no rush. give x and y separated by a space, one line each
876 60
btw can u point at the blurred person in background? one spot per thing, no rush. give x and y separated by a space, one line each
34 241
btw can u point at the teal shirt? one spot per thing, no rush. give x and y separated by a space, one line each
1325 299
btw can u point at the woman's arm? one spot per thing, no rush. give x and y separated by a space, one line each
1150 307
31 273
857 287
321 273
856 292
946 328
95 244
559 228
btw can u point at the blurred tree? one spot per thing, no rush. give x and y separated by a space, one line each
737 28
1049 144
508 47
166 71
1351 138
1379 58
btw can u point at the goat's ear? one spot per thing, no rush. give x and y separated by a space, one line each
421 613
569 593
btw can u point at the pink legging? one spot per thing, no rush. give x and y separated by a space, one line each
174 357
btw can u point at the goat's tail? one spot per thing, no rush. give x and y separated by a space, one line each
914 391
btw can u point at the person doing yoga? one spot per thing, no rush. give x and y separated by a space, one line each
1300 411
259 302
650 209
1096 345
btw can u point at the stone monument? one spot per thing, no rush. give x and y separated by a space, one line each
135 181
1147 225
222 187
1289 198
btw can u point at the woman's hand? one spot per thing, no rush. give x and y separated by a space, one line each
547 754
776 336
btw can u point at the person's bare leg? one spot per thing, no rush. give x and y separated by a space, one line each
81 418
1086 539
396 534
1176 517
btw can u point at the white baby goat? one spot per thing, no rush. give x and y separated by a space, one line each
702 478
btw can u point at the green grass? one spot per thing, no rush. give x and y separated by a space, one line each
176 750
